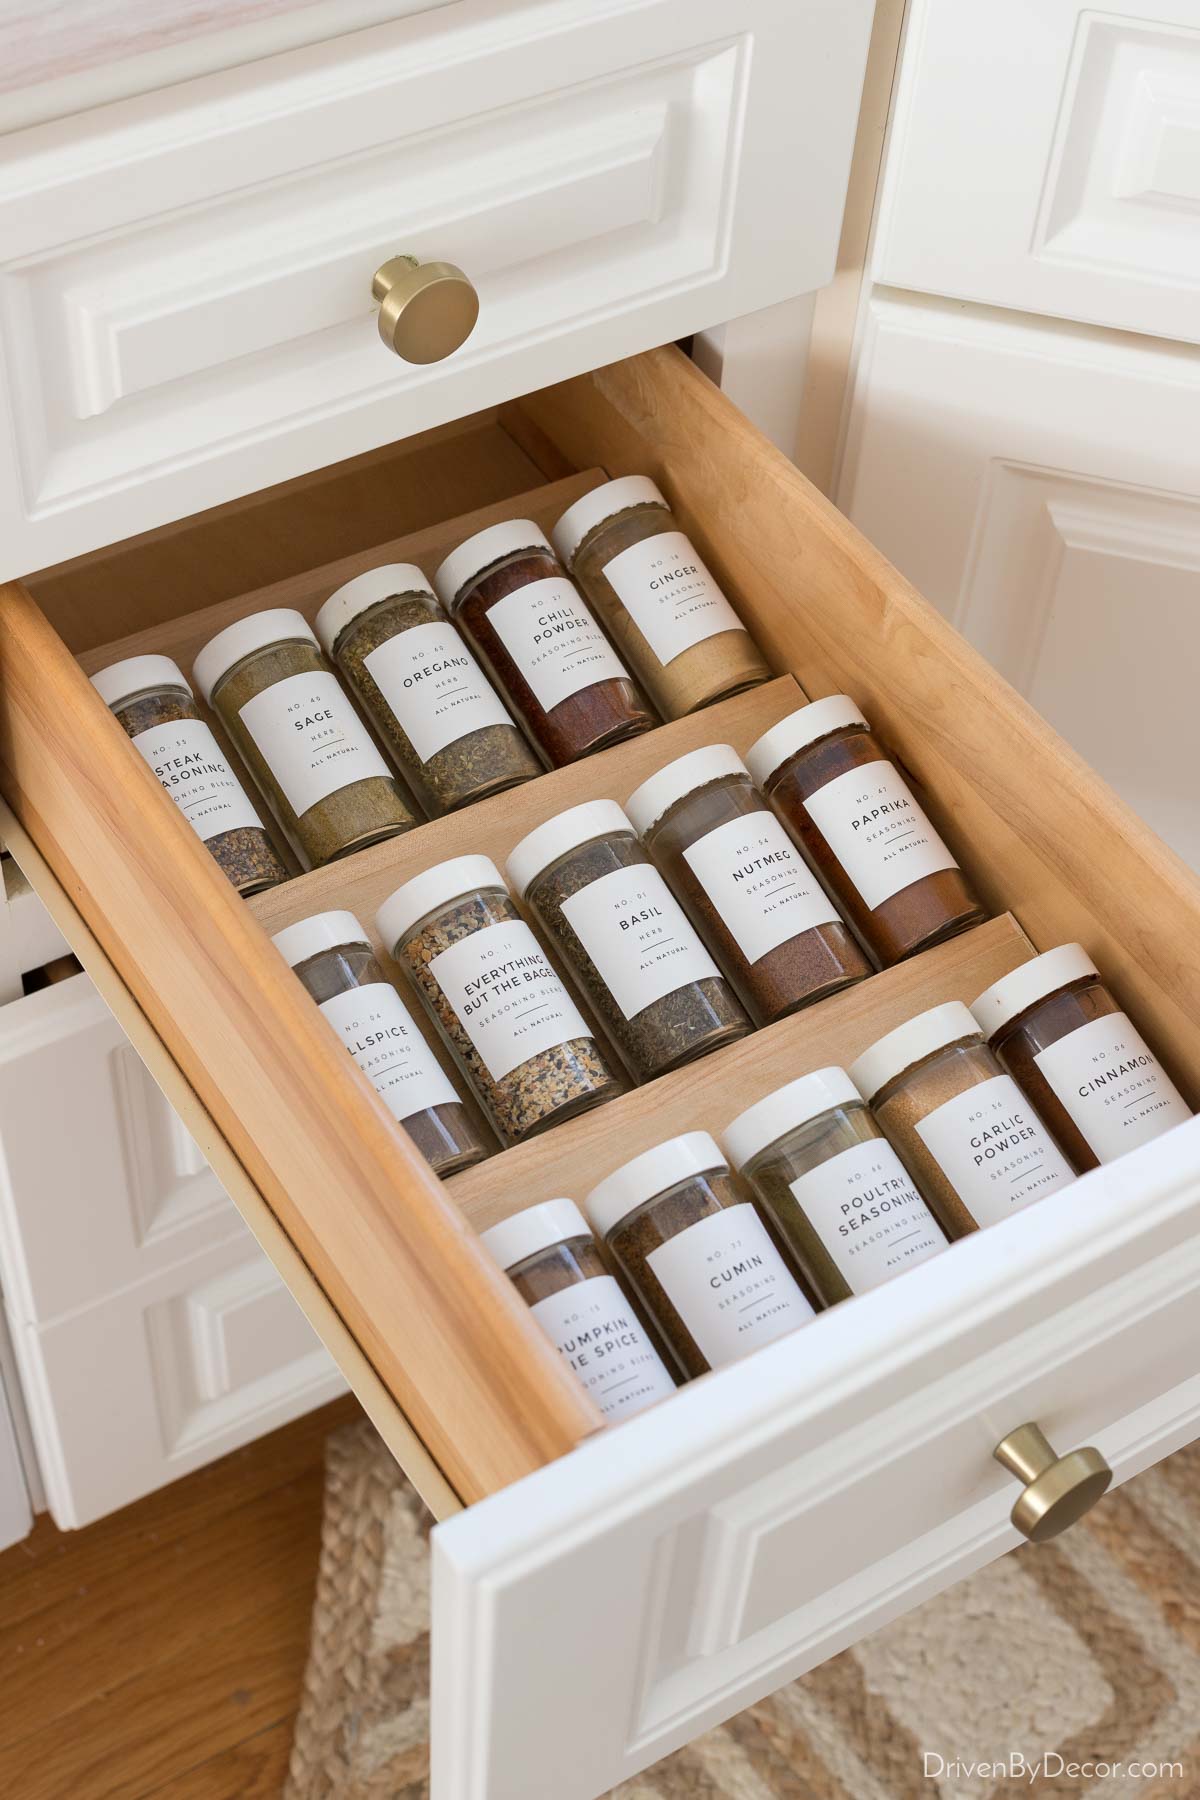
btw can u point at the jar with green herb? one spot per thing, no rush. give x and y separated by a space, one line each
152 702
626 938
691 1247
444 724
837 1194
494 996
334 960
313 759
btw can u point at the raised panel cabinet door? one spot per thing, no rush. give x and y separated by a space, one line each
1045 154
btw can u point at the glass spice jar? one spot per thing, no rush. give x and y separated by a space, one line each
840 1199
151 699
490 989
695 1253
550 1256
625 937
309 752
773 930
1082 1062
973 1143
666 614
855 817
333 958
544 650
430 701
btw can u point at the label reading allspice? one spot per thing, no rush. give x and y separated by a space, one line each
373 1023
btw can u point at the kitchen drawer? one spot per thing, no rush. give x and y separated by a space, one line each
605 1595
1073 177
185 277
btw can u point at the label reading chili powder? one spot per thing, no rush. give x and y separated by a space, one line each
669 594
759 883
994 1150
729 1284
1112 1086
554 640
877 831
510 1002
311 738
595 1328
868 1214
434 686
638 936
374 1025
189 763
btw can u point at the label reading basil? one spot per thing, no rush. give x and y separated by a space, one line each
729 1284
311 738
434 686
867 1213
877 831
1112 1086
638 936
759 883
189 763
669 594
554 640
994 1150
373 1023
594 1327
507 997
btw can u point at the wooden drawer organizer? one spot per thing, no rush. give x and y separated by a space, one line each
383 1256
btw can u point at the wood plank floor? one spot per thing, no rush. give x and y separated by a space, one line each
160 1652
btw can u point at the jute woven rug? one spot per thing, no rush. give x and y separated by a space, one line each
1082 1651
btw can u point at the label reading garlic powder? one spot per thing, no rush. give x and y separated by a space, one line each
638 936
594 1327
1112 1086
311 738
373 1023
669 594
729 1284
554 640
758 882
994 1150
189 763
507 997
869 1216
877 831
434 686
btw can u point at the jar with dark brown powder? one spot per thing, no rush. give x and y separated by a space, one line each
533 631
862 829
772 928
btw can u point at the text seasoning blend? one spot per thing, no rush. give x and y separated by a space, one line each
153 703
487 984
622 932
974 1143
694 1251
553 1261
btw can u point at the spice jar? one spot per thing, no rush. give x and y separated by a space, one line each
666 614
428 697
306 747
554 1262
837 1194
624 935
1062 1037
696 1254
544 650
855 817
333 958
972 1142
488 986
152 701
746 888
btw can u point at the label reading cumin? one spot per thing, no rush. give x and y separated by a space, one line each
1112 1086
507 997
434 686
555 642
373 1023
670 594
759 883
593 1326
189 763
877 831
729 1284
311 738
638 936
994 1150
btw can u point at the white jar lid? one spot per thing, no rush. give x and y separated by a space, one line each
135 674
354 597
435 887
599 504
647 804
487 547
534 1229
1040 976
565 831
279 625
799 729
909 1043
793 1104
323 931
695 1153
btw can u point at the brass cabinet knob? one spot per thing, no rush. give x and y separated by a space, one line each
426 310
1058 1489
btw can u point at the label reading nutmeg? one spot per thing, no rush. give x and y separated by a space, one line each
994 1150
1112 1085
759 884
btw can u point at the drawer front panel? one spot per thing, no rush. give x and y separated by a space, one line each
174 332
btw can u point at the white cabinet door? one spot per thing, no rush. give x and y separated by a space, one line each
601 1613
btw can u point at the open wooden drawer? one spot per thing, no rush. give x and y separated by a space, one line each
605 1595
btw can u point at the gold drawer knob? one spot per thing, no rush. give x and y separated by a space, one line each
1058 1489
426 310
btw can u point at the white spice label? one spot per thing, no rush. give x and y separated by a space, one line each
311 738
638 936
759 883
374 1024
507 997
557 645
729 1284
1112 1086
190 764
434 686
877 831
669 594
867 1213
594 1327
994 1150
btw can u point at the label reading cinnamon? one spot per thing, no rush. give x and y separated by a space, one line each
1112 1086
